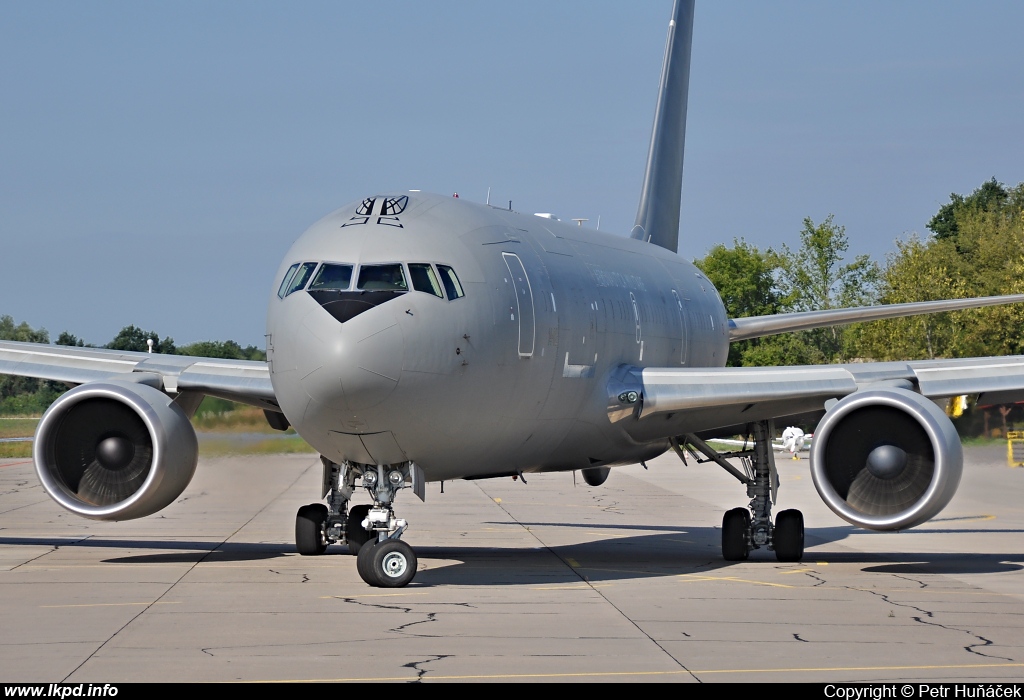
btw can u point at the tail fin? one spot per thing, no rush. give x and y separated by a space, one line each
657 219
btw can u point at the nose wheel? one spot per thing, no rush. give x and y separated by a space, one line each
386 564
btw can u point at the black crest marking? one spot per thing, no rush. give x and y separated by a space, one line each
387 213
393 206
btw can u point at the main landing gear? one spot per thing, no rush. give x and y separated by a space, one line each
744 529
371 531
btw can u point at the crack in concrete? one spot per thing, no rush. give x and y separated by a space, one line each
421 672
431 617
970 648
799 639
921 584
815 577
401 629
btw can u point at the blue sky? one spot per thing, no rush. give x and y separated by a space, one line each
158 159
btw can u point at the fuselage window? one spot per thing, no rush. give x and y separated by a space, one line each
451 282
334 277
386 278
300 277
282 290
424 279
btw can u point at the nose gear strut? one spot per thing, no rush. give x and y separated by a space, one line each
372 532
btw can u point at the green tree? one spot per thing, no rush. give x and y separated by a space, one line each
745 278
21 332
814 277
69 339
985 257
991 196
134 338
25 395
227 349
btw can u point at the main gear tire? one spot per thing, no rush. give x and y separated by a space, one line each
735 527
354 532
309 529
788 537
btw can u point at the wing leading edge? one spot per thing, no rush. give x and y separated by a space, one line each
694 400
237 380
760 326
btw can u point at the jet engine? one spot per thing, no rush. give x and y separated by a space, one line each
115 450
886 459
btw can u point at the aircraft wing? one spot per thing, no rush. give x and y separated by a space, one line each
237 380
761 326
703 399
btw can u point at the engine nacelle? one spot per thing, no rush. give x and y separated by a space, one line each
115 450
886 459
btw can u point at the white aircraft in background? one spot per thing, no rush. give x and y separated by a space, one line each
415 337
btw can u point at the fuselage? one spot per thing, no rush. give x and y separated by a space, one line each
475 341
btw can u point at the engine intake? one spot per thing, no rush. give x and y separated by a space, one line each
886 459
115 450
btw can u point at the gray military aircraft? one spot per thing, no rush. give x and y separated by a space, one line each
416 338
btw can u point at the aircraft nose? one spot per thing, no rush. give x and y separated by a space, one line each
359 361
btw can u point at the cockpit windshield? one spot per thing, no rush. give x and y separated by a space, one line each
330 283
296 278
451 282
424 279
378 278
330 276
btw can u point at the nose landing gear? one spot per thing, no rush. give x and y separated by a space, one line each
384 560
387 564
371 531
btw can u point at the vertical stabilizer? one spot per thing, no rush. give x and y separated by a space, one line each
657 219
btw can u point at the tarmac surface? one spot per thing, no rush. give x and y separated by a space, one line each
540 581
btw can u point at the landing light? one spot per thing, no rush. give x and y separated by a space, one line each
370 478
396 478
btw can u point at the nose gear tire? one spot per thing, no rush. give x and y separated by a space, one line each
364 564
392 563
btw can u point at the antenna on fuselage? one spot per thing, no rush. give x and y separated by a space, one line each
657 218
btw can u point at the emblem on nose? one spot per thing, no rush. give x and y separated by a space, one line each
386 212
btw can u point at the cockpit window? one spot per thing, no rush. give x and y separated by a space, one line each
451 282
424 279
382 278
336 277
287 278
299 277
